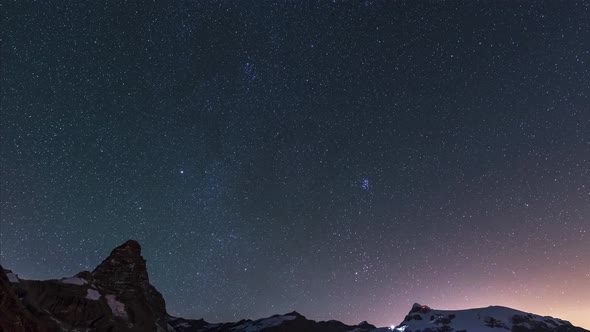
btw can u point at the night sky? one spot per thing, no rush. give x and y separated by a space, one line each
341 159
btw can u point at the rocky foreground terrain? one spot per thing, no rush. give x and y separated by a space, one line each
117 296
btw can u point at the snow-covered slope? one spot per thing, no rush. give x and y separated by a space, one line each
490 319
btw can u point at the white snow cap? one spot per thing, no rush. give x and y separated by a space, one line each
480 319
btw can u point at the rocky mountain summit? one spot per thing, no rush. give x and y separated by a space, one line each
118 297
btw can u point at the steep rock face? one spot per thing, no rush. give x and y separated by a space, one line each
124 273
123 270
65 305
14 317
116 296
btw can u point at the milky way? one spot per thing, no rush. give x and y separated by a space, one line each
341 159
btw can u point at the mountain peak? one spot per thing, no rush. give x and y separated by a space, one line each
124 273
123 269
132 244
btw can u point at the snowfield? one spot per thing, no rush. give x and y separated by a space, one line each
493 318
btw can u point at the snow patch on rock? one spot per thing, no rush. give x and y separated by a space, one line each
92 294
74 281
117 307
12 277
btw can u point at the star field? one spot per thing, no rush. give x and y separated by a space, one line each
342 159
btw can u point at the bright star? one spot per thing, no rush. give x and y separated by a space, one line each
181 172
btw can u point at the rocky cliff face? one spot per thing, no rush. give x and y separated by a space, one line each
14 317
116 296
124 274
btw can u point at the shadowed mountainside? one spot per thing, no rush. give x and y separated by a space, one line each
118 297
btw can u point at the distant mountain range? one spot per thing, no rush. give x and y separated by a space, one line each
117 297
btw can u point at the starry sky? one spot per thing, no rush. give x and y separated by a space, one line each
344 159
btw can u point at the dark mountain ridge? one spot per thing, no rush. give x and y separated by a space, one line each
117 296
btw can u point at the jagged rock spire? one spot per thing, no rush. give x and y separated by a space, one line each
124 274
124 269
